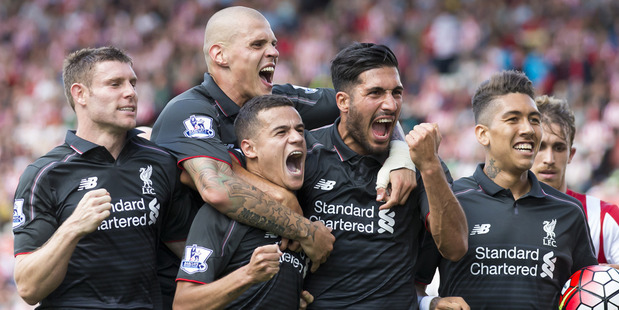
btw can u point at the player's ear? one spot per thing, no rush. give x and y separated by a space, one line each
248 148
216 52
572 152
79 92
481 133
343 101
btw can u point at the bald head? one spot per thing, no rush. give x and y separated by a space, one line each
226 24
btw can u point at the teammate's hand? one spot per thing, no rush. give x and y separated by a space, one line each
403 181
306 299
264 263
319 244
616 266
92 209
423 142
450 303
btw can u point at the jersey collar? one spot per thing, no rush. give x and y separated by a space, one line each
78 144
82 146
491 188
344 151
225 104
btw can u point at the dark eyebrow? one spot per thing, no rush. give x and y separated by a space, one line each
518 113
381 89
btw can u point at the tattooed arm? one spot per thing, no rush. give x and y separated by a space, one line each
243 202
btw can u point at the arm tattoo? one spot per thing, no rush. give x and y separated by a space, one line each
245 203
491 170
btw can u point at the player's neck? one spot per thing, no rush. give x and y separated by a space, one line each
229 88
517 182
113 142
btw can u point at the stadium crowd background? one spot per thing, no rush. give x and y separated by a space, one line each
568 48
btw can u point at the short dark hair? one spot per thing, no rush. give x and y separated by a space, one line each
246 122
77 67
357 58
499 84
557 111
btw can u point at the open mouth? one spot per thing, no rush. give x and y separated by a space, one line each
266 74
524 147
294 162
382 127
127 109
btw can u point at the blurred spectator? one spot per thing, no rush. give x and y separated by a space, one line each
569 48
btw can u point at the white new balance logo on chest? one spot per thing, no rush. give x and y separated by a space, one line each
480 229
325 185
88 183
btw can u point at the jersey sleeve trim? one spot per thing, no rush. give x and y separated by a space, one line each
192 281
180 162
235 157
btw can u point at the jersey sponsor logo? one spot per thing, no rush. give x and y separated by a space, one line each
131 213
200 127
18 213
307 90
145 174
350 217
480 229
386 221
494 261
88 183
194 259
514 261
325 185
154 211
300 264
548 267
549 228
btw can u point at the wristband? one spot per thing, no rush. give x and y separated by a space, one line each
399 157
424 302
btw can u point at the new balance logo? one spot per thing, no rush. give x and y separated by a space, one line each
325 185
88 183
480 229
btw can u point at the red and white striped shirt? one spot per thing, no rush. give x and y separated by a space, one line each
603 218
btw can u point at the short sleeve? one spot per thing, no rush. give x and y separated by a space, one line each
189 128
34 211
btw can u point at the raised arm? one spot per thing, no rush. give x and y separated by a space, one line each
446 220
264 264
220 187
39 273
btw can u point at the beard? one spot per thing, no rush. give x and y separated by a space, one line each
356 130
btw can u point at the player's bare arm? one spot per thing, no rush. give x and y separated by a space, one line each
245 203
447 221
278 193
264 264
38 273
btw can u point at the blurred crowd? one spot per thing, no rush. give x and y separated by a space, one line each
568 48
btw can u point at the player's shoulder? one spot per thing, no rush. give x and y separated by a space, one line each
553 193
465 185
59 155
158 154
196 96
318 138
296 91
